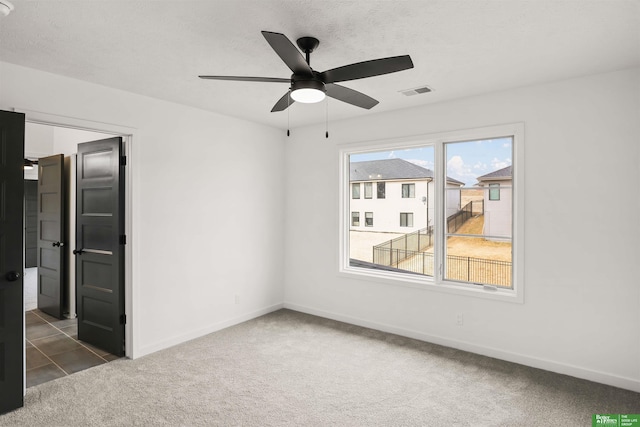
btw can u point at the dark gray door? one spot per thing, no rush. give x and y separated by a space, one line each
30 223
51 251
100 244
11 300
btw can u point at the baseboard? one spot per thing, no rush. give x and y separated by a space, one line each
522 359
179 339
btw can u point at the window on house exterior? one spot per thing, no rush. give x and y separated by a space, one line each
408 191
355 219
381 189
355 190
368 219
368 190
458 242
494 191
406 219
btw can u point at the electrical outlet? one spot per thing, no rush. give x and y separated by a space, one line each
459 319
237 299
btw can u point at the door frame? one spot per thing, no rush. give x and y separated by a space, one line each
128 134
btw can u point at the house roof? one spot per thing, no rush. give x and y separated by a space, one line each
381 170
500 174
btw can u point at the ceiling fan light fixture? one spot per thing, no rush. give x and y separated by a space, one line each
308 91
5 7
307 96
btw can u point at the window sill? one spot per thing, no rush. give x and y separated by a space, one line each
426 283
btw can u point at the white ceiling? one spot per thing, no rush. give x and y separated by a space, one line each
459 48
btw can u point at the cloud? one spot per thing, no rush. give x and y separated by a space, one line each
507 145
458 169
392 155
480 166
499 164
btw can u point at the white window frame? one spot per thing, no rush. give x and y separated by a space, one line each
438 283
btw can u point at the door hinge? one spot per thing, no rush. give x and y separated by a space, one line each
123 319
123 161
123 239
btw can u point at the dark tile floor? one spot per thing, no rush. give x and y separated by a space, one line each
53 349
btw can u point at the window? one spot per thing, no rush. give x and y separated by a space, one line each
368 190
355 219
406 219
368 219
457 229
408 191
494 191
355 190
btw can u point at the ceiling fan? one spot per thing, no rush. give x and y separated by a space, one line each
309 86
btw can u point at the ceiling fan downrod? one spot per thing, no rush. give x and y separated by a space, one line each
307 45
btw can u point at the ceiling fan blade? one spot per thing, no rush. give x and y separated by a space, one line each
283 103
360 70
350 96
248 79
288 52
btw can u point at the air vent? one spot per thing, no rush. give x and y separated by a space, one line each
416 90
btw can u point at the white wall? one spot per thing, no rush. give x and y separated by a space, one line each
581 311
38 141
199 239
66 140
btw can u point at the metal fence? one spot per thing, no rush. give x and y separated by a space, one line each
417 241
455 221
474 270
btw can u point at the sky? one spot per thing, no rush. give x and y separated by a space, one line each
465 160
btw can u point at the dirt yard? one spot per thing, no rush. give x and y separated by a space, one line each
474 195
471 195
477 247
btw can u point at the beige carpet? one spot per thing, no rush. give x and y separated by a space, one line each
288 368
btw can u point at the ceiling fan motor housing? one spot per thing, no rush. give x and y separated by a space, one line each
307 82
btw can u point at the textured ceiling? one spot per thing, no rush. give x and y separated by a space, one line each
459 48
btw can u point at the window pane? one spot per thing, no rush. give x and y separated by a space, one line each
494 191
355 219
355 191
408 190
479 211
368 219
403 186
406 219
368 190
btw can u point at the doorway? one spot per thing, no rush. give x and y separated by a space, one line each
52 347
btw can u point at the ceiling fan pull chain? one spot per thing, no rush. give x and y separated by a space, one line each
326 134
288 112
